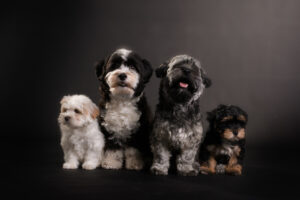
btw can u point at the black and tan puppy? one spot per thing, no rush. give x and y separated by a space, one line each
223 148
125 118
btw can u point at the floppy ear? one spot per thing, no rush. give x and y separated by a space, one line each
148 70
243 115
211 116
206 81
91 109
161 71
94 111
100 67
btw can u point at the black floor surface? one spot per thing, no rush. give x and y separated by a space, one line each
33 171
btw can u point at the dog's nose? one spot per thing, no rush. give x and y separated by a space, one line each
67 118
235 132
122 76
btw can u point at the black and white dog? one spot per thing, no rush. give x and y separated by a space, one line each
177 124
125 117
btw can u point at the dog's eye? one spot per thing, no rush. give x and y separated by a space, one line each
77 111
64 110
131 67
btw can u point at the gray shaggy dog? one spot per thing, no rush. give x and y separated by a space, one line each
177 127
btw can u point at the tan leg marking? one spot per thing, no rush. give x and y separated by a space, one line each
210 168
232 167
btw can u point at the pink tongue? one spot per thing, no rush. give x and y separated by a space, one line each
183 85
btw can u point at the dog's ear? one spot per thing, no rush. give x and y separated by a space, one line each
211 116
161 71
206 81
243 116
148 70
94 111
91 109
100 67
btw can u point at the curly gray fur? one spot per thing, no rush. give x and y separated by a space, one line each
177 125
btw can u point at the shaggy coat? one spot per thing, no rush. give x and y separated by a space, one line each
81 139
177 127
125 116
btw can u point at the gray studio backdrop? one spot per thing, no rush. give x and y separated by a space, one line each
250 49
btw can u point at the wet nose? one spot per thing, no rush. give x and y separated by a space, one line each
67 118
122 76
235 132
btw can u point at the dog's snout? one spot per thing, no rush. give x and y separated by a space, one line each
122 76
67 118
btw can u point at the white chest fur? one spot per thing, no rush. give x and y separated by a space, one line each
121 118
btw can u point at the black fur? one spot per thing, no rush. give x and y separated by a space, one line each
224 117
139 138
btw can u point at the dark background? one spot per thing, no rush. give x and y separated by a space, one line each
250 49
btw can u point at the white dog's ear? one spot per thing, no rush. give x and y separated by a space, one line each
65 99
92 110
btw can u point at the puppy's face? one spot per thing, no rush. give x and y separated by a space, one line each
230 123
185 78
77 111
124 73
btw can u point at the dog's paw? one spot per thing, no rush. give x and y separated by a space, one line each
234 170
188 169
89 165
112 160
133 159
220 169
189 173
111 164
70 165
134 164
206 170
159 170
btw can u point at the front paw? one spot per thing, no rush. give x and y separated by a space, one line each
70 165
159 170
133 159
112 164
134 164
207 170
187 170
89 165
220 169
112 159
235 170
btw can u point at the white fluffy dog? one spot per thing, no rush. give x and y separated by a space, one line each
81 139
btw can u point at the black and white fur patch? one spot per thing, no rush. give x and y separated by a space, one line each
125 118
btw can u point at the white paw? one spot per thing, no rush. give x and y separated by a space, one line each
220 169
112 159
159 170
89 165
70 165
134 164
111 165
